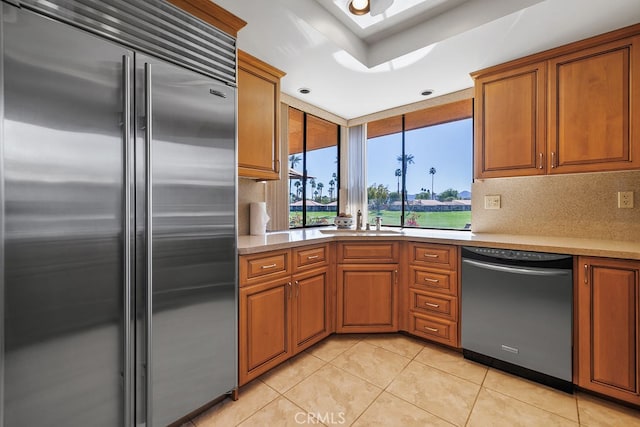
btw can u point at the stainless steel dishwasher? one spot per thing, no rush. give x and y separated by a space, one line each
517 312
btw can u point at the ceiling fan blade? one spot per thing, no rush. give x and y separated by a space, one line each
376 7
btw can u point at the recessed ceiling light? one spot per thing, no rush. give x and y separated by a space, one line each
304 90
426 92
359 7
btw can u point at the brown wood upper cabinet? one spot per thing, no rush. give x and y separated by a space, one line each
591 126
258 118
509 127
566 110
608 337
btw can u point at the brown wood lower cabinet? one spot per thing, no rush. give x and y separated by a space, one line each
291 299
264 327
367 286
284 306
367 298
608 293
433 289
312 312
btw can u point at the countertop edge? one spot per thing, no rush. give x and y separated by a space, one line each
554 244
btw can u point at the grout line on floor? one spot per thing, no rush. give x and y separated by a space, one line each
577 407
368 406
452 374
533 383
360 378
532 405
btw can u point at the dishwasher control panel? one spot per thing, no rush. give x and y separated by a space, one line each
515 254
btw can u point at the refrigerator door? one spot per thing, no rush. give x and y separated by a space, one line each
186 153
63 217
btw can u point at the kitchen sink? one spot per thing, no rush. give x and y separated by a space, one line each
353 232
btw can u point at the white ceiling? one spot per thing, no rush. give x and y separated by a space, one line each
434 44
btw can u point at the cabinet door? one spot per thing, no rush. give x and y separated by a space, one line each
591 125
264 340
258 118
608 327
311 308
367 298
510 123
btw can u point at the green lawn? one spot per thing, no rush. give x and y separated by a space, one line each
455 220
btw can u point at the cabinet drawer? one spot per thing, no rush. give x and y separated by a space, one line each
438 256
371 252
262 266
310 257
433 304
434 280
435 329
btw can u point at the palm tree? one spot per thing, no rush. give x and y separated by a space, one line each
312 182
405 160
320 187
294 159
298 189
332 185
432 172
398 175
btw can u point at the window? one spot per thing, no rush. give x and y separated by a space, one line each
420 167
313 170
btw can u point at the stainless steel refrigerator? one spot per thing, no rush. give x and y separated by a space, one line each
118 212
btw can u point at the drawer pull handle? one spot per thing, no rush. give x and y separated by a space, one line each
312 257
431 329
431 255
430 304
431 280
264 267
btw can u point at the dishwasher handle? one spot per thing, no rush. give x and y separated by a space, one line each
517 270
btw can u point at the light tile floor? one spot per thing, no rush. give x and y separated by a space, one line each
394 380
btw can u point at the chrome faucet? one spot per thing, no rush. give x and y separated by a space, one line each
359 220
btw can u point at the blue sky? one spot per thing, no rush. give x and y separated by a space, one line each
447 147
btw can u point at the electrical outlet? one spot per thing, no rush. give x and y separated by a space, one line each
625 199
492 202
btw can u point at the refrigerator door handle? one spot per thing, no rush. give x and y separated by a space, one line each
148 238
127 241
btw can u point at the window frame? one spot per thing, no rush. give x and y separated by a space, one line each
432 116
305 174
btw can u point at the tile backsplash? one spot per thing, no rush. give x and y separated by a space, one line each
249 191
572 205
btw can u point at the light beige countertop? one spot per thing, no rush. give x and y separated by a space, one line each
565 245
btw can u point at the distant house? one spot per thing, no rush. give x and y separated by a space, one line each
465 195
